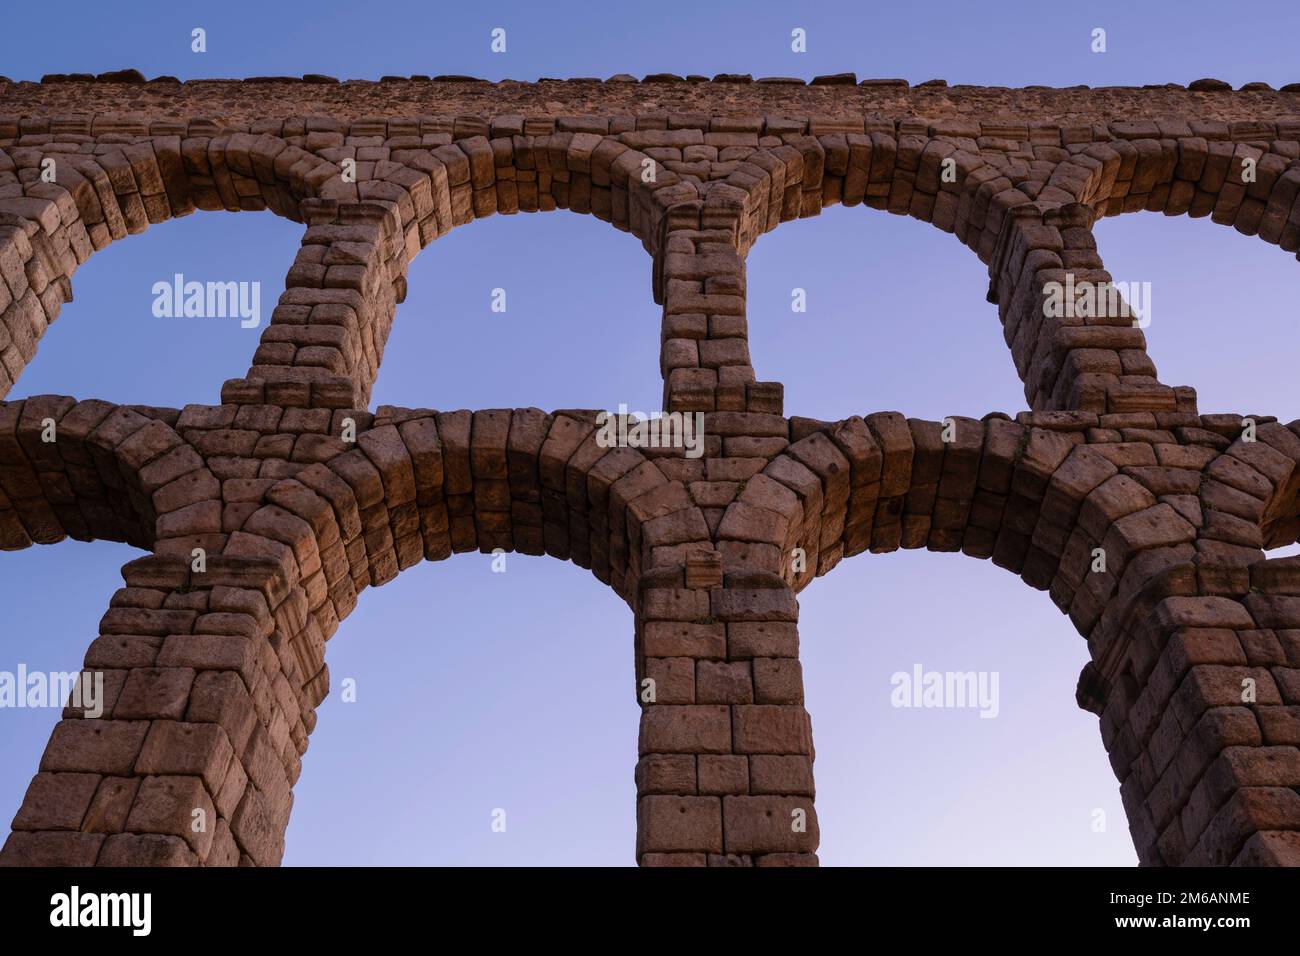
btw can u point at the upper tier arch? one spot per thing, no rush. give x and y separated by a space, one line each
374 192
64 199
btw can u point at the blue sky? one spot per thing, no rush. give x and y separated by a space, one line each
479 691
995 44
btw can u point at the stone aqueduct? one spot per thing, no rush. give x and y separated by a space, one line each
214 677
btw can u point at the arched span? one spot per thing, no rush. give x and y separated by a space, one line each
63 200
92 470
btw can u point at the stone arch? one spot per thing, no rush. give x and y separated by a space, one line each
895 169
298 541
422 485
326 339
886 482
110 473
1201 175
1037 495
1134 166
1006 186
115 183
1179 514
398 207
1021 190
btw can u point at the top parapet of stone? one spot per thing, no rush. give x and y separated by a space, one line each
243 100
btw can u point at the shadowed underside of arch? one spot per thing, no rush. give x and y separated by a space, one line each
270 514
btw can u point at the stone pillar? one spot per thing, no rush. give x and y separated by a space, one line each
326 337
725 770
1076 360
700 280
210 683
1198 700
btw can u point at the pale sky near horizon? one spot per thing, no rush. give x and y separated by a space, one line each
479 691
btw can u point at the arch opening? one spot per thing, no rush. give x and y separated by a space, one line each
934 781
551 752
554 316
929 348
1220 338
125 307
